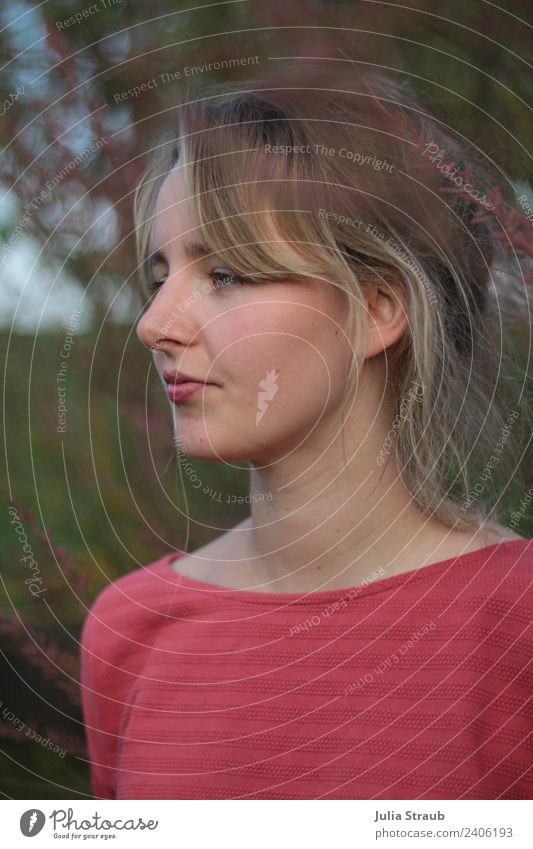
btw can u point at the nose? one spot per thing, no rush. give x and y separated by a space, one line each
169 319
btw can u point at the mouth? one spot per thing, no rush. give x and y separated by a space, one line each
181 392
181 387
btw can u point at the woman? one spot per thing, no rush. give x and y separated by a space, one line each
322 310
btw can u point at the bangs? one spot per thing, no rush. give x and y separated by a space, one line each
336 174
240 200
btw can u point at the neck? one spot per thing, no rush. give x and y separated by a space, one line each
321 518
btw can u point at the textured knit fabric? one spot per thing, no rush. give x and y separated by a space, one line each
416 686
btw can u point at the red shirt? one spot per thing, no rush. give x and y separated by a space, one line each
416 686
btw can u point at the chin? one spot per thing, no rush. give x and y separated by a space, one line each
198 444
225 448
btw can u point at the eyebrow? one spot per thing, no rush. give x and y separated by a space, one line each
192 250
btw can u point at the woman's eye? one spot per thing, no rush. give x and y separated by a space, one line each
155 284
223 278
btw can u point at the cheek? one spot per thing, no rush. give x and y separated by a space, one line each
237 345
304 346
315 360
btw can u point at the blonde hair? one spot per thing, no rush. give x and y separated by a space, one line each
337 163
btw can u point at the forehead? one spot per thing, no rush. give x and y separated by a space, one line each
174 228
172 216
172 188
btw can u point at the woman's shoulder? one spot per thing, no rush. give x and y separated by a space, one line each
505 572
132 603
501 544
135 583
508 547
489 572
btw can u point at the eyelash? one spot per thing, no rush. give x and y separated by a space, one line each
155 284
225 274
214 275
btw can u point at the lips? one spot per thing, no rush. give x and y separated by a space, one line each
185 390
177 377
181 387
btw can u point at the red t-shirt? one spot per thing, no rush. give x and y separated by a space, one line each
416 686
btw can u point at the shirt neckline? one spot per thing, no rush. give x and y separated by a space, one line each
323 596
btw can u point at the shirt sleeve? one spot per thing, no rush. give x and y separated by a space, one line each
97 711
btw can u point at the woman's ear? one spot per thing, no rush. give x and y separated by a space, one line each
387 310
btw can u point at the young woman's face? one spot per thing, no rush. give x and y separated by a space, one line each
273 354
